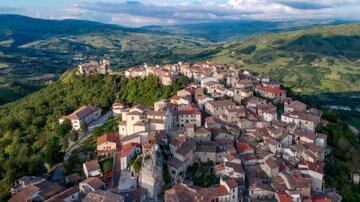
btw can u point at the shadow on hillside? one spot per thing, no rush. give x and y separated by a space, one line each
347 46
351 99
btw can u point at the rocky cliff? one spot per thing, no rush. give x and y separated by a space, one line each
151 177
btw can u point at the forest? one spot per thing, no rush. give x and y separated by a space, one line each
32 141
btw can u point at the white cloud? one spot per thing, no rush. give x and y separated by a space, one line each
145 12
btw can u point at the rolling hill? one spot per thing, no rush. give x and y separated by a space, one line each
34 51
321 63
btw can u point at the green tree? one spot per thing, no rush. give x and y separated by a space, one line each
53 151
84 127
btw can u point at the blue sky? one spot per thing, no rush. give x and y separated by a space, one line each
168 12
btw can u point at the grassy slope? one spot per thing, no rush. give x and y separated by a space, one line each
317 61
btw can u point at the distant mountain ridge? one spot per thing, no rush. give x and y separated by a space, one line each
239 29
27 29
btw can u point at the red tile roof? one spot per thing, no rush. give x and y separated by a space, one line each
242 147
269 89
126 148
284 197
109 137
231 183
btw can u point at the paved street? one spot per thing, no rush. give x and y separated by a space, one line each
98 122
83 137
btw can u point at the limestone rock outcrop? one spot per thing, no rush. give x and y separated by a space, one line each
151 176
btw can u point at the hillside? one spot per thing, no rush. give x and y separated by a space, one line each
321 63
29 131
34 51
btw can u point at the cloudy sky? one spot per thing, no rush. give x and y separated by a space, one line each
167 12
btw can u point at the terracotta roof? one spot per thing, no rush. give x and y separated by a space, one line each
297 105
126 148
92 165
269 89
317 166
314 148
63 195
179 192
221 191
157 121
321 199
186 147
272 142
245 82
175 97
103 196
140 123
205 149
236 166
189 110
201 131
284 197
271 162
94 182
25 194
155 113
109 137
209 193
309 117
222 103
231 183
242 147
48 189
135 113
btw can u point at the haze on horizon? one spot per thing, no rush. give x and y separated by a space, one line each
170 12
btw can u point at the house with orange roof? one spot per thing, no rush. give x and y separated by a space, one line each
271 92
232 187
128 151
243 148
107 144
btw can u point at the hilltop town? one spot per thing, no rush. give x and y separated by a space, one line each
230 135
